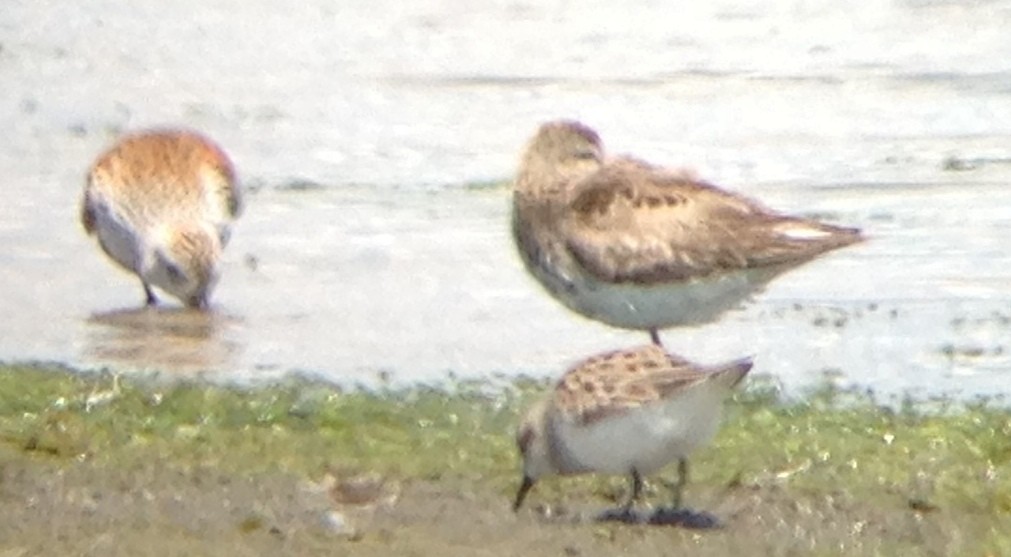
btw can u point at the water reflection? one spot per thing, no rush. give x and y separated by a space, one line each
363 265
175 340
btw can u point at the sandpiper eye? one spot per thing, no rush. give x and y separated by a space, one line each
175 274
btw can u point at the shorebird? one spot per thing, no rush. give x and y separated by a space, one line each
644 247
161 204
625 412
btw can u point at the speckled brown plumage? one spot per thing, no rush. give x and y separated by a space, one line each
624 379
587 225
161 203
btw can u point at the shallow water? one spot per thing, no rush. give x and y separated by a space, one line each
371 248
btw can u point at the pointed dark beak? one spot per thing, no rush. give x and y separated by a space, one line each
528 482
198 302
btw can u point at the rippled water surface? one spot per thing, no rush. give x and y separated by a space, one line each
371 137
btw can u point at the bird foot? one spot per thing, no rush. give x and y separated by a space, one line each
623 515
684 518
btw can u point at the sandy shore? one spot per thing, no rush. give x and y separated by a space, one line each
96 467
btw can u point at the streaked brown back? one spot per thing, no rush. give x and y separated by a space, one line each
642 224
162 170
625 379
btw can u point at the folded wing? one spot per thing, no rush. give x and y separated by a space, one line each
643 224
619 381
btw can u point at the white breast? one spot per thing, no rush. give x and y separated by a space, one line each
647 438
119 238
636 306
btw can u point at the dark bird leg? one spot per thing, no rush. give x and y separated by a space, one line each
679 487
528 483
626 513
636 491
655 337
681 516
150 298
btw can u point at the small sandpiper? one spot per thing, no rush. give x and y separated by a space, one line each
643 247
625 412
161 203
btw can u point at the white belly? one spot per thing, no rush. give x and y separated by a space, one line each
636 306
120 240
646 439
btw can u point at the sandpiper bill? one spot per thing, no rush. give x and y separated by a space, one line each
161 204
625 412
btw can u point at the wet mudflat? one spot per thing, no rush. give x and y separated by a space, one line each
427 286
375 244
376 142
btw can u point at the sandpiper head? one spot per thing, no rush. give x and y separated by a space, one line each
185 263
560 150
533 447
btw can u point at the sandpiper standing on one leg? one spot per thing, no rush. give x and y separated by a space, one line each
643 247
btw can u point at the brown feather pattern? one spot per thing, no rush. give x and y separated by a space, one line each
645 225
622 380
